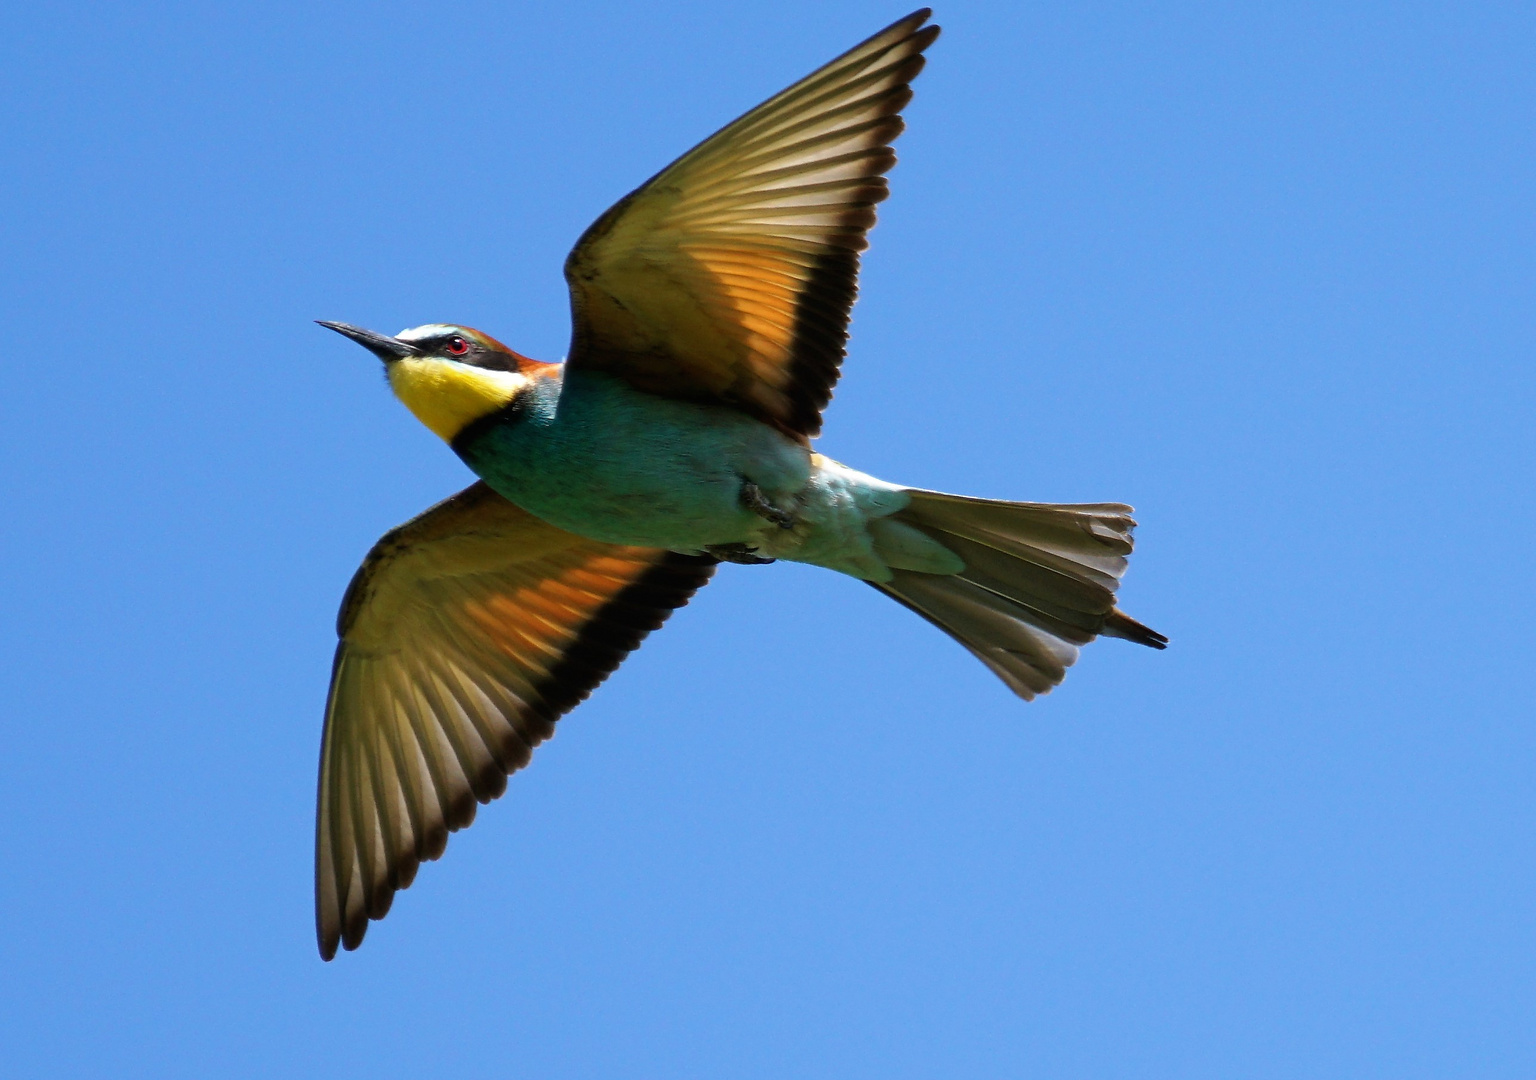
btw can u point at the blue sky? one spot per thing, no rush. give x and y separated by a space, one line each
1264 271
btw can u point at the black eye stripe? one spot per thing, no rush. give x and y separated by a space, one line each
474 353
443 343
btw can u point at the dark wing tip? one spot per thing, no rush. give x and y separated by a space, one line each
330 933
921 36
352 933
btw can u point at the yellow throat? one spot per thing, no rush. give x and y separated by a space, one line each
448 397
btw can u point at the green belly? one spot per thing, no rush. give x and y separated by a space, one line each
603 460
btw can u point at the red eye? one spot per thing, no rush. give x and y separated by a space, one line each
457 346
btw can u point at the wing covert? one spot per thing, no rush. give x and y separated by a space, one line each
465 634
730 275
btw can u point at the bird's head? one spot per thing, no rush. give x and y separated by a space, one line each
449 376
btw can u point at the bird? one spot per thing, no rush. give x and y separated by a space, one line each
710 311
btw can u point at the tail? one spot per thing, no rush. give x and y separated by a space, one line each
1038 582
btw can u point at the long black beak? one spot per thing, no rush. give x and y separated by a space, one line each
385 348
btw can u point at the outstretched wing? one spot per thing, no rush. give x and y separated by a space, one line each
729 276
464 635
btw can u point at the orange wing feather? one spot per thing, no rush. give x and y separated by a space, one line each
465 635
730 275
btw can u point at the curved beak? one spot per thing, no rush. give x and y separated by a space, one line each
385 348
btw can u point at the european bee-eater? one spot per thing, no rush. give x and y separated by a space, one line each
710 311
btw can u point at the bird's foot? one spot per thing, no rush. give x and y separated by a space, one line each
753 499
737 553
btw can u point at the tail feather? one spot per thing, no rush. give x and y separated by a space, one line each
1095 536
1121 625
1039 582
996 631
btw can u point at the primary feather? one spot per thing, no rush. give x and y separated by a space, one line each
466 633
729 276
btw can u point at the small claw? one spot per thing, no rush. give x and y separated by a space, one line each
753 499
736 553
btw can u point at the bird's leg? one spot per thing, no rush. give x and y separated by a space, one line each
753 499
736 553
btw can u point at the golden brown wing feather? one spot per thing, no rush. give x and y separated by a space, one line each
729 276
464 635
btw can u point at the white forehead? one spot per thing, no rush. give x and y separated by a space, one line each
422 333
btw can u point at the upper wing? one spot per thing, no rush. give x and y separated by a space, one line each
464 635
728 277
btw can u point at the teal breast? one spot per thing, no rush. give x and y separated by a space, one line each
596 457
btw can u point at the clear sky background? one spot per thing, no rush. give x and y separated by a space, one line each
1264 271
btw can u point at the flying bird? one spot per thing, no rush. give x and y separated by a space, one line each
709 313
